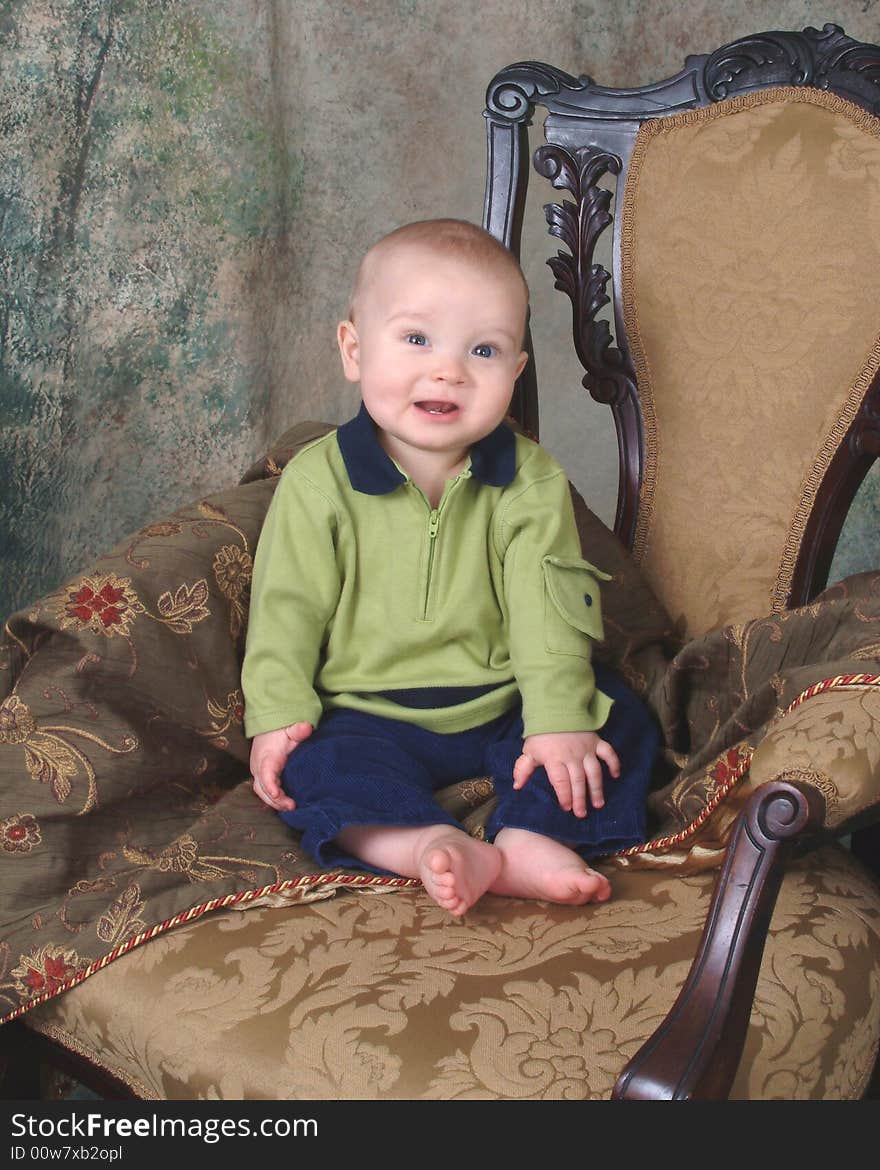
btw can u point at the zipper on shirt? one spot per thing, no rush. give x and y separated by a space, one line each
432 534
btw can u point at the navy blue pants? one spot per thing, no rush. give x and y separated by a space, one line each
358 769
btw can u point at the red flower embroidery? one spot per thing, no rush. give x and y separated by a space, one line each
19 833
45 972
728 768
50 978
105 604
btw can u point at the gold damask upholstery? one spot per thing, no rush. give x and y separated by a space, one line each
384 997
747 227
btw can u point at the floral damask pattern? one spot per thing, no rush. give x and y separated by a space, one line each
366 998
720 335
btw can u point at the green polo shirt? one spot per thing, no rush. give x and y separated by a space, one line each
366 597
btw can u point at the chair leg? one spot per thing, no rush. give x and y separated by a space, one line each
865 845
20 1066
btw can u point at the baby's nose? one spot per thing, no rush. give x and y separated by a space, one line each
449 368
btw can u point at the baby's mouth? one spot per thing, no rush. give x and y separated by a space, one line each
437 407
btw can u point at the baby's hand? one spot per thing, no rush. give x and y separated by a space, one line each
571 759
269 752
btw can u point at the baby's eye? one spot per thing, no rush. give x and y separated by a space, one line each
416 339
484 350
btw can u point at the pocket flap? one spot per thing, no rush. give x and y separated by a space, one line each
573 587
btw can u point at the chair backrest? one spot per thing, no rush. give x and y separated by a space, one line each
745 284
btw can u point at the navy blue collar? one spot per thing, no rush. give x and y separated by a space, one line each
373 472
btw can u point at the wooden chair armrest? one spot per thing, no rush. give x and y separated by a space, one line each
695 1052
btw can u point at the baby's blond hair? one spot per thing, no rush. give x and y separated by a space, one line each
448 237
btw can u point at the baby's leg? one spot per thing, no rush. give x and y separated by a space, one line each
455 869
535 866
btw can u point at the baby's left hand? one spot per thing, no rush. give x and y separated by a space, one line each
571 759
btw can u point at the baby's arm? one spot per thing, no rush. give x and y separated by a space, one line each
571 759
269 752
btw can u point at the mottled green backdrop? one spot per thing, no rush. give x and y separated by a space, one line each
185 190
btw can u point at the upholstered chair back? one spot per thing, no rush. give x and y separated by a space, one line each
750 281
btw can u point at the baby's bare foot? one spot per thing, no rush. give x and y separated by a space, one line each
456 870
538 867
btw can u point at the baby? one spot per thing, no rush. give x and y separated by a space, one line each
421 613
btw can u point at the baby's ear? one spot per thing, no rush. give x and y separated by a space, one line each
349 350
521 363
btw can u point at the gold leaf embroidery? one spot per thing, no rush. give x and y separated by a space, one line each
16 722
183 856
49 759
225 715
185 608
212 511
50 762
179 857
122 920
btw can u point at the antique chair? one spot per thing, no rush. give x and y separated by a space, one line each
211 960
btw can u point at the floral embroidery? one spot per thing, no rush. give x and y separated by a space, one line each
187 606
853 155
184 857
122 920
476 792
224 716
19 833
48 757
162 528
179 857
729 768
45 972
102 604
232 569
16 721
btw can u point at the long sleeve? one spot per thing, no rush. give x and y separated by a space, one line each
294 595
554 613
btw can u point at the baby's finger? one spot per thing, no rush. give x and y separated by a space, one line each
272 796
606 752
593 769
522 770
297 732
558 775
577 779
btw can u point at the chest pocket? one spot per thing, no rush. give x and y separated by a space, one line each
572 605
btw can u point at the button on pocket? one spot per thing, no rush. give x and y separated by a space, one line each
572 605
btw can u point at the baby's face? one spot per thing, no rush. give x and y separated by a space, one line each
436 345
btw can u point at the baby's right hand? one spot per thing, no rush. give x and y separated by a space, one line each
269 752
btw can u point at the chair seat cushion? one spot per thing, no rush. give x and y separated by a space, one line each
364 996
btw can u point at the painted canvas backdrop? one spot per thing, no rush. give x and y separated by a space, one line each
185 191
